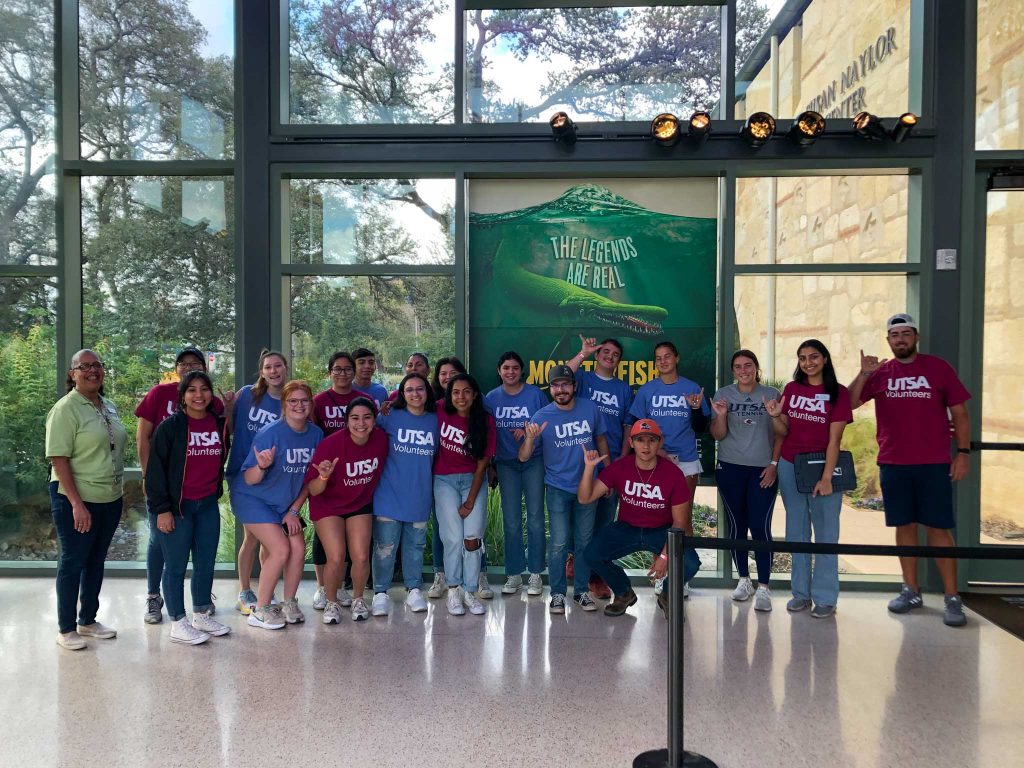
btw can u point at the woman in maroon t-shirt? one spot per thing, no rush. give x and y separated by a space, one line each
342 477
811 415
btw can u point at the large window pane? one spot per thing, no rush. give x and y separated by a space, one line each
848 313
821 220
26 133
834 58
28 364
371 61
372 221
157 274
1000 77
595 63
157 79
1002 415
393 316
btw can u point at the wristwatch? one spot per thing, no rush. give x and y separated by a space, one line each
963 450
774 462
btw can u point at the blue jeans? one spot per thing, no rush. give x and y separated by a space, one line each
569 519
618 540
196 531
154 559
805 513
461 565
518 479
436 547
387 535
82 555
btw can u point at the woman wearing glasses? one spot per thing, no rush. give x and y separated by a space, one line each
85 445
256 406
158 404
402 501
268 501
329 409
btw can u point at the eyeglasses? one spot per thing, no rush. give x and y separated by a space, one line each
86 367
342 371
294 402
189 366
414 390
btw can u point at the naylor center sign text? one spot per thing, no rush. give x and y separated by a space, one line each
844 97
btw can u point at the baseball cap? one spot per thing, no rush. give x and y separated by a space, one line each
191 351
561 373
645 427
902 320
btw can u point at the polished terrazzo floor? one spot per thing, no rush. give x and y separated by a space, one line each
514 688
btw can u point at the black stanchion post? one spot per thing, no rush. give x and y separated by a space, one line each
675 756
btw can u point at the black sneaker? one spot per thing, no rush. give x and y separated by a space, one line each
585 601
154 610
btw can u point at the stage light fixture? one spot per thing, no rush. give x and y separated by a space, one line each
563 129
699 126
665 129
904 125
869 127
759 128
806 129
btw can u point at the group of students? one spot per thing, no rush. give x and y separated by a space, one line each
615 470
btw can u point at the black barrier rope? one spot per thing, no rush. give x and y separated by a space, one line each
677 757
981 445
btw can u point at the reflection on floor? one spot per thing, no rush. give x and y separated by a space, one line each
514 688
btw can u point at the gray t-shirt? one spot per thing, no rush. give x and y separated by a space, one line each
750 435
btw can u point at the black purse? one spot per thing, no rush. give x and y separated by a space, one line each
808 468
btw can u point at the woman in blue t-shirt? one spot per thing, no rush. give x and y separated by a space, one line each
256 405
404 496
268 503
511 404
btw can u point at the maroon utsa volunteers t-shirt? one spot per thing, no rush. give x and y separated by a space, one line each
453 457
202 459
355 477
811 413
162 401
646 496
911 402
329 409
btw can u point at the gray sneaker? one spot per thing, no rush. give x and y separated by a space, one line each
291 611
762 599
954 613
154 610
798 604
823 611
906 601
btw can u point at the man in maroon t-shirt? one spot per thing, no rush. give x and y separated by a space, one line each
653 496
915 397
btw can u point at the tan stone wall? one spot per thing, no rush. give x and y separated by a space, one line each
1000 74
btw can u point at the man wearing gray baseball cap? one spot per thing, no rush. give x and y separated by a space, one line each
562 427
915 396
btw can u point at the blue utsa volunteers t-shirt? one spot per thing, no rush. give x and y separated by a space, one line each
613 398
406 488
561 440
512 412
249 419
293 452
666 404
378 392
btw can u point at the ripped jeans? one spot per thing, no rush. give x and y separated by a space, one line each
387 534
461 564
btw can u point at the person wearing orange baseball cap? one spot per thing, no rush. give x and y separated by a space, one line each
654 496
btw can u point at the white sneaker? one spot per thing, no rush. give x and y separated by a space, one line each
97 630
483 590
512 585
182 631
292 613
535 586
415 601
267 617
359 612
475 606
763 599
381 604
455 602
344 598
744 590
686 591
201 620
332 613
659 586
71 641
319 599
437 589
